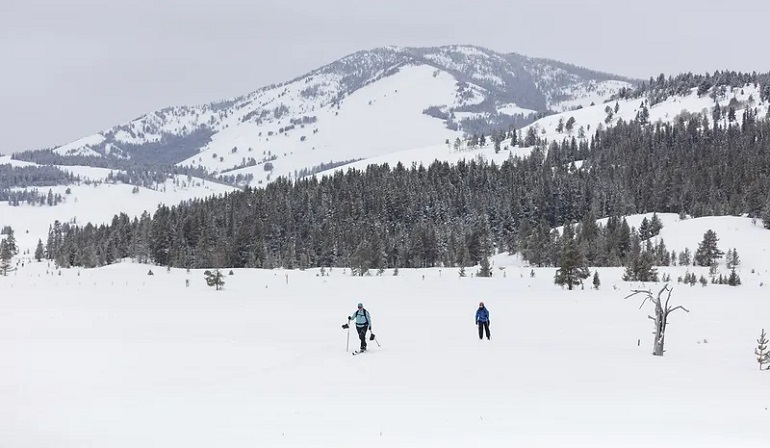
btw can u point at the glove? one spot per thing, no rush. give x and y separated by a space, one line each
371 337
345 326
477 322
350 318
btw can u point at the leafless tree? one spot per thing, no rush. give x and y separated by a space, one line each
662 310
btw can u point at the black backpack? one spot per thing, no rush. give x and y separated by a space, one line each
365 314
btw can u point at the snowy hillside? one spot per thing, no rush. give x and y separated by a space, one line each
591 117
364 105
96 201
115 358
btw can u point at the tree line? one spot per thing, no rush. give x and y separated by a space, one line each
454 215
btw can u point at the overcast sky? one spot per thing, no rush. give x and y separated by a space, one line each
72 68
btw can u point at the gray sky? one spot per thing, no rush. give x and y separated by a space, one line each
70 69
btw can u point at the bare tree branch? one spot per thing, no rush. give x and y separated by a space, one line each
680 307
640 291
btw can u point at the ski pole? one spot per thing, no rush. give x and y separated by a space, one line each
347 344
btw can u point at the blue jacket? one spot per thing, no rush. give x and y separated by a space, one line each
482 315
362 318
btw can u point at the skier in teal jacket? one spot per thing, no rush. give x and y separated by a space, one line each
363 323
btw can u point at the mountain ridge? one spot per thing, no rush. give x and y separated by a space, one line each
474 90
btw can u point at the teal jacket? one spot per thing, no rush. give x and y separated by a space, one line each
362 318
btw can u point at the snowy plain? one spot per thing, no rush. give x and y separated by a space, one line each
113 357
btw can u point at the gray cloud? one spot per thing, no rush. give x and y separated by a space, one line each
73 68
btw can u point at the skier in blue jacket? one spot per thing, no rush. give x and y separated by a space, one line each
482 320
363 323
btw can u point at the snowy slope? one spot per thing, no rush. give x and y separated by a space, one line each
372 121
592 117
98 202
115 358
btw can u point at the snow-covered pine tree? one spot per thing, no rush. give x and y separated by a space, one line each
39 250
10 241
656 225
5 258
596 282
708 253
572 270
485 270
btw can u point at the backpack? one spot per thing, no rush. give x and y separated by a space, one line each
365 315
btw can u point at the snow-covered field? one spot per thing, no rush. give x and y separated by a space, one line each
113 357
98 202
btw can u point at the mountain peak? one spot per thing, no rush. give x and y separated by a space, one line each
365 104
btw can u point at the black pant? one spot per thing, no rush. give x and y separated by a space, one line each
483 326
362 335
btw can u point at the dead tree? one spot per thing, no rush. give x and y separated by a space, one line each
662 310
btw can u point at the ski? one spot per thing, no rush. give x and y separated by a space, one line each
358 352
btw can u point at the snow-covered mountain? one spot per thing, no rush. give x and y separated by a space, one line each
366 104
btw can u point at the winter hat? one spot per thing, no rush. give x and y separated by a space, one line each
481 303
360 305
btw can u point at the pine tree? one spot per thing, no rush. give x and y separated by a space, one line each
596 282
5 257
572 270
644 229
656 225
763 356
641 268
708 253
643 116
560 125
703 281
486 270
734 279
215 279
570 124
766 210
39 251
10 240
732 260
